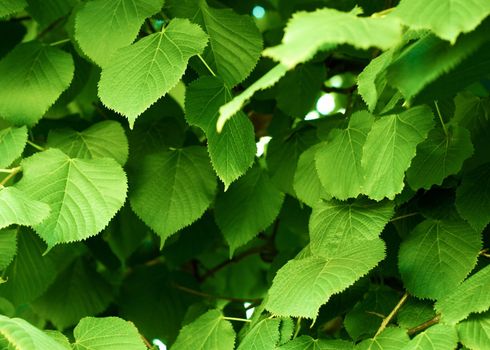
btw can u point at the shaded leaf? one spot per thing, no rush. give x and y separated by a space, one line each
12 143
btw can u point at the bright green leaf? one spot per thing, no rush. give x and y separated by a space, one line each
143 72
389 149
8 247
438 337
16 207
475 331
103 26
32 77
84 194
263 335
307 343
390 339
12 143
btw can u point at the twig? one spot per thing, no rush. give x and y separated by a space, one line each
440 118
147 343
206 295
14 172
236 319
339 90
484 252
206 65
39 148
393 312
424 325
297 328
403 216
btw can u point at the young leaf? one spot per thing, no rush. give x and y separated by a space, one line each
440 155
390 339
335 224
250 205
84 194
8 247
302 286
263 335
233 150
103 26
18 208
209 331
32 77
474 332
471 296
336 28
438 337
8 7
106 139
446 18
437 256
338 162
108 333
235 42
307 343
20 334
12 143
389 149
187 191
141 73
472 199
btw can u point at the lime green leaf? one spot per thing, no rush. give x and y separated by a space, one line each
437 256
263 335
141 73
77 292
446 18
235 42
336 28
208 332
306 183
106 139
249 206
475 332
233 150
228 110
36 75
8 247
103 26
307 343
335 224
8 7
12 143
16 207
108 333
59 337
390 339
471 296
187 189
302 286
389 149
84 194
438 337
22 335
441 155
339 161
472 197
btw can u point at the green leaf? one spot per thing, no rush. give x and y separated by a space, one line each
307 343
45 12
336 28
414 312
438 337
106 139
389 149
472 197
263 335
335 224
8 7
32 76
471 296
302 286
12 143
77 292
103 26
208 332
16 207
390 339
143 72
475 331
188 190
249 206
228 110
235 42
232 151
446 18
84 194
306 183
8 247
339 161
108 333
440 155
437 256
60 338
20 334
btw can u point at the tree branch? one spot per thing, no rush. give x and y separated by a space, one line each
393 312
424 325
211 296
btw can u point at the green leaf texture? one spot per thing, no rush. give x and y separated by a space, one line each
307 343
474 332
12 143
8 7
16 207
263 335
438 337
390 339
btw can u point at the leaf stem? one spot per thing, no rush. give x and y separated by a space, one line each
403 216
393 312
297 328
39 148
60 42
13 172
484 252
207 66
8 171
236 319
424 325
206 295
440 118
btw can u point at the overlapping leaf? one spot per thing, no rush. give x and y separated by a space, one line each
474 332
143 72
390 339
45 12
263 335
12 143
8 7
32 76
16 207
8 247
307 343
438 337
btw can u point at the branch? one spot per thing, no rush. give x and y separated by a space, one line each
13 172
424 325
211 296
345 91
484 252
393 312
